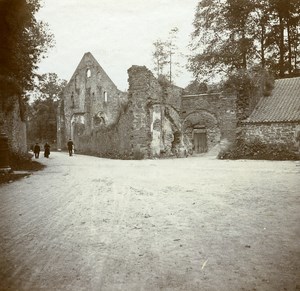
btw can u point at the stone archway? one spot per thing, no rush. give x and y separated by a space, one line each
201 130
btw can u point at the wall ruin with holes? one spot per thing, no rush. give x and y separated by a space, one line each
157 127
91 101
153 119
146 120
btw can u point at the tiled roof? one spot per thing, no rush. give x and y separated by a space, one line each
282 106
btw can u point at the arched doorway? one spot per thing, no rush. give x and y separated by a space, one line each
202 131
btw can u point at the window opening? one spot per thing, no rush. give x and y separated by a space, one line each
72 100
88 73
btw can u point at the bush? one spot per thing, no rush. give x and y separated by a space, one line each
115 155
22 161
257 150
138 155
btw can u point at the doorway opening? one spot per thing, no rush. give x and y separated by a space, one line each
199 140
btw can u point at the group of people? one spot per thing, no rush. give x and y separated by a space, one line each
36 149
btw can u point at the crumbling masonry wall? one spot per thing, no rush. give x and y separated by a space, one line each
91 101
215 113
153 118
147 122
156 128
12 122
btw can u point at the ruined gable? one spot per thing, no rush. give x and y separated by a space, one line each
91 100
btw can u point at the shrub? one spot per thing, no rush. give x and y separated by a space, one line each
22 161
138 155
257 150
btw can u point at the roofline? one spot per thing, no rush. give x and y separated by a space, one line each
270 122
87 54
202 94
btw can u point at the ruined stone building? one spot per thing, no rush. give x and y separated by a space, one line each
152 118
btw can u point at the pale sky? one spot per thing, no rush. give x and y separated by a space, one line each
119 34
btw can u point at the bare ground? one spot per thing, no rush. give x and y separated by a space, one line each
85 223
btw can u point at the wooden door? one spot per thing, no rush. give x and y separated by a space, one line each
200 142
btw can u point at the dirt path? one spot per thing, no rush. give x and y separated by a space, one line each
86 223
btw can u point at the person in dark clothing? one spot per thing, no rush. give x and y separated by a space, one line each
36 150
70 147
46 150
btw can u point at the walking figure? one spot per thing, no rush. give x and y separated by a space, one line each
36 150
70 147
46 150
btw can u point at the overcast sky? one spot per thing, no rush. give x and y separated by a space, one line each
119 33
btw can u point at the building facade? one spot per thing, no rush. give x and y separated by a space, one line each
276 118
90 101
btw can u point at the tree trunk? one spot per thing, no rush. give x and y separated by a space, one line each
289 46
281 47
262 46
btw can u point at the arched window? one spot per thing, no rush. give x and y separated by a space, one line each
88 73
76 81
105 96
72 100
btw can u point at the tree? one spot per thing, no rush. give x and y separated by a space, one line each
249 85
159 57
42 112
23 42
233 35
196 87
284 37
172 50
165 54
50 87
221 41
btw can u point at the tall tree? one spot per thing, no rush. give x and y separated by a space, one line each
221 40
23 42
42 112
230 35
160 57
165 56
172 50
285 34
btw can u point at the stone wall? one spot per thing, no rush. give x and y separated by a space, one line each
147 122
112 141
90 100
152 118
215 113
13 125
271 133
156 128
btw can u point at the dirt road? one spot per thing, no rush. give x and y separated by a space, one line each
86 223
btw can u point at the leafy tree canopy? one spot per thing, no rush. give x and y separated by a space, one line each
233 35
23 43
43 110
165 56
196 87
